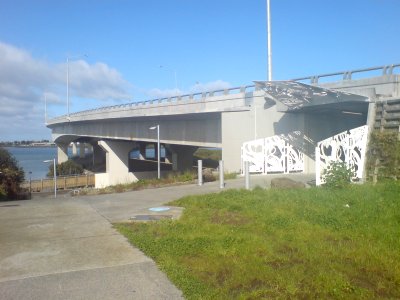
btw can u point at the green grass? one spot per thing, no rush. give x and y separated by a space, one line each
171 179
281 244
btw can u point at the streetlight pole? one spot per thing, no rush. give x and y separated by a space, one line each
269 41
55 175
68 59
158 149
68 87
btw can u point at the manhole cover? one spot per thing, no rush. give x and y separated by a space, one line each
160 208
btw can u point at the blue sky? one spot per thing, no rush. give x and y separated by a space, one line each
208 44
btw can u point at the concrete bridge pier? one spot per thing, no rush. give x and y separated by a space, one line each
181 156
82 147
62 152
98 154
142 150
74 150
117 164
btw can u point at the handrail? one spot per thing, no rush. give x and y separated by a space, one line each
347 75
240 89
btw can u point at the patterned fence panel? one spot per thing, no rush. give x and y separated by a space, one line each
294 159
275 154
253 152
348 147
272 155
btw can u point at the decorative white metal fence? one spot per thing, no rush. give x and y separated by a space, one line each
348 147
272 155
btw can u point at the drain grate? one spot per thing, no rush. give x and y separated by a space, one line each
10 205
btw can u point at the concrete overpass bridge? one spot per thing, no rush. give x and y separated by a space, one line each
310 108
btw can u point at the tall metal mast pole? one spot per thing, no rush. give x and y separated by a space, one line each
68 87
269 41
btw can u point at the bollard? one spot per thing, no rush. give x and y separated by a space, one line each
247 175
221 174
200 172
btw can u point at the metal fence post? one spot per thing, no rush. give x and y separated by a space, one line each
247 175
221 174
200 172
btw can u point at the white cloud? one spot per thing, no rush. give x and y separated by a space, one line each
197 88
96 81
25 79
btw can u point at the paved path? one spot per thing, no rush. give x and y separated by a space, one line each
67 249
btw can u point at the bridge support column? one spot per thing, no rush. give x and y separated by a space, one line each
74 150
182 157
117 163
142 150
62 153
99 156
82 147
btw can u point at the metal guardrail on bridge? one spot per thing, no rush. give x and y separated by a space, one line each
347 75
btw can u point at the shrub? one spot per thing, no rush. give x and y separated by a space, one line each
11 175
337 175
65 169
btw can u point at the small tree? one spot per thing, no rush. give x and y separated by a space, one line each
11 175
66 169
337 175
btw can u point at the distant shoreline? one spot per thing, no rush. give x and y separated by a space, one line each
28 146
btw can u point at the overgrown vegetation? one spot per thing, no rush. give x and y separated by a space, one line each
383 158
337 175
11 175
171 179
67 168
281 244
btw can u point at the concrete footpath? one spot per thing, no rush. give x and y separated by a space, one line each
66 248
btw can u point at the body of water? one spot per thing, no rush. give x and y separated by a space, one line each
31 159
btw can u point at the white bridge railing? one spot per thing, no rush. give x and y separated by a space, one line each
348 147
272 155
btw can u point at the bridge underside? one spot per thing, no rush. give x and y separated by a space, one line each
112 141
